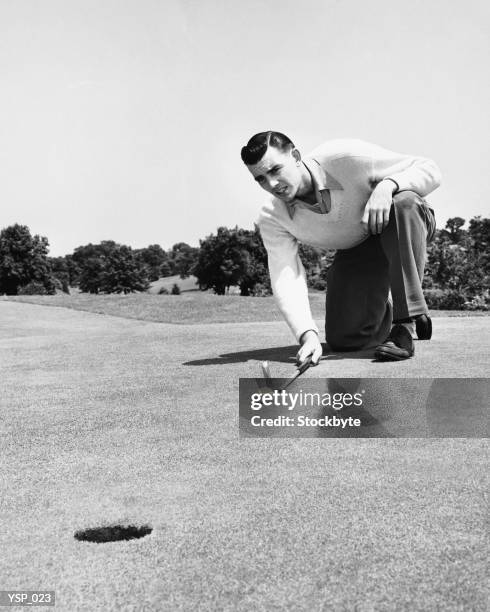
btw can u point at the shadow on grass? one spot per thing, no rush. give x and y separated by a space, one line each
279 354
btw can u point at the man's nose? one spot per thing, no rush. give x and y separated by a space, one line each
273 183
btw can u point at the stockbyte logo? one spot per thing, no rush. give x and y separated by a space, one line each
368 408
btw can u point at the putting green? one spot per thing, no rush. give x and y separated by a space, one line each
109 421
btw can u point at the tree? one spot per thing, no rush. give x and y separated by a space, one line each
59 266
123 273
109 267
165 269
457 271
315 262
453 229
154 257
479 232
182 257
255 277
23 259
90 262
317 276
65 269
232 257
213 269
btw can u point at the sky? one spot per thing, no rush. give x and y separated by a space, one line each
123 119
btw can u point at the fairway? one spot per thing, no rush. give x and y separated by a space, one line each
115 420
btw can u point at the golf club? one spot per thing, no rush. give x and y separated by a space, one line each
301 370
266 372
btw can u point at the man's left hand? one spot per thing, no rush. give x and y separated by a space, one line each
377 212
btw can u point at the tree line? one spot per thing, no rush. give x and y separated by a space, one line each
456 277
107 267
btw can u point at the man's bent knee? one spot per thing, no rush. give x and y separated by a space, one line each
406 201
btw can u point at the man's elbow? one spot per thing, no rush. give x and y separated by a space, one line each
435 174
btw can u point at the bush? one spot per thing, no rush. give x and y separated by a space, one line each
261 290
175 289
162 291
445 299
33 288
479 302
458 266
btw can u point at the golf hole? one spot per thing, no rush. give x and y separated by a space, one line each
112 533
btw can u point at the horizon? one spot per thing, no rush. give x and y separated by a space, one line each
169 248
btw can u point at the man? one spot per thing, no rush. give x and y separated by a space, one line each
366 202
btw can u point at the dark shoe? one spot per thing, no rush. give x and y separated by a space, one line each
423 327
398 345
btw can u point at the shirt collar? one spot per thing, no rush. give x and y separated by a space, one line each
323 182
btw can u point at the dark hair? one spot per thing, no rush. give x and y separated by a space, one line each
256 147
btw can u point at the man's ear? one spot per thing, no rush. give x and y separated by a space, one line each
297 155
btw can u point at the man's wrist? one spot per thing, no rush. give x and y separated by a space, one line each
306 332
392 184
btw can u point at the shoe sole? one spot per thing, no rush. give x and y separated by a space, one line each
388 355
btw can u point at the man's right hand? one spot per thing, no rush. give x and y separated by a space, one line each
310 345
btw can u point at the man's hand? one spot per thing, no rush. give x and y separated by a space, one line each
377 211
310 345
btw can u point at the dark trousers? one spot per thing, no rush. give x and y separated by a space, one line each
359 311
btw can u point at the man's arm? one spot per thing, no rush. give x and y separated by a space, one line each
390 173
365 159
288 281
377 211
410 173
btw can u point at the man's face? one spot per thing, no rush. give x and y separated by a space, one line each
279 173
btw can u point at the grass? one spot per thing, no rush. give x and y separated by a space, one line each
190 308
112 421
185 284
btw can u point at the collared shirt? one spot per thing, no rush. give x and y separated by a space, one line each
323 182
344 174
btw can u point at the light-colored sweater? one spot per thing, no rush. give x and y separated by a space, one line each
344 174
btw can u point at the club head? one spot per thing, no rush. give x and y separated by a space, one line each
264 383
266 372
